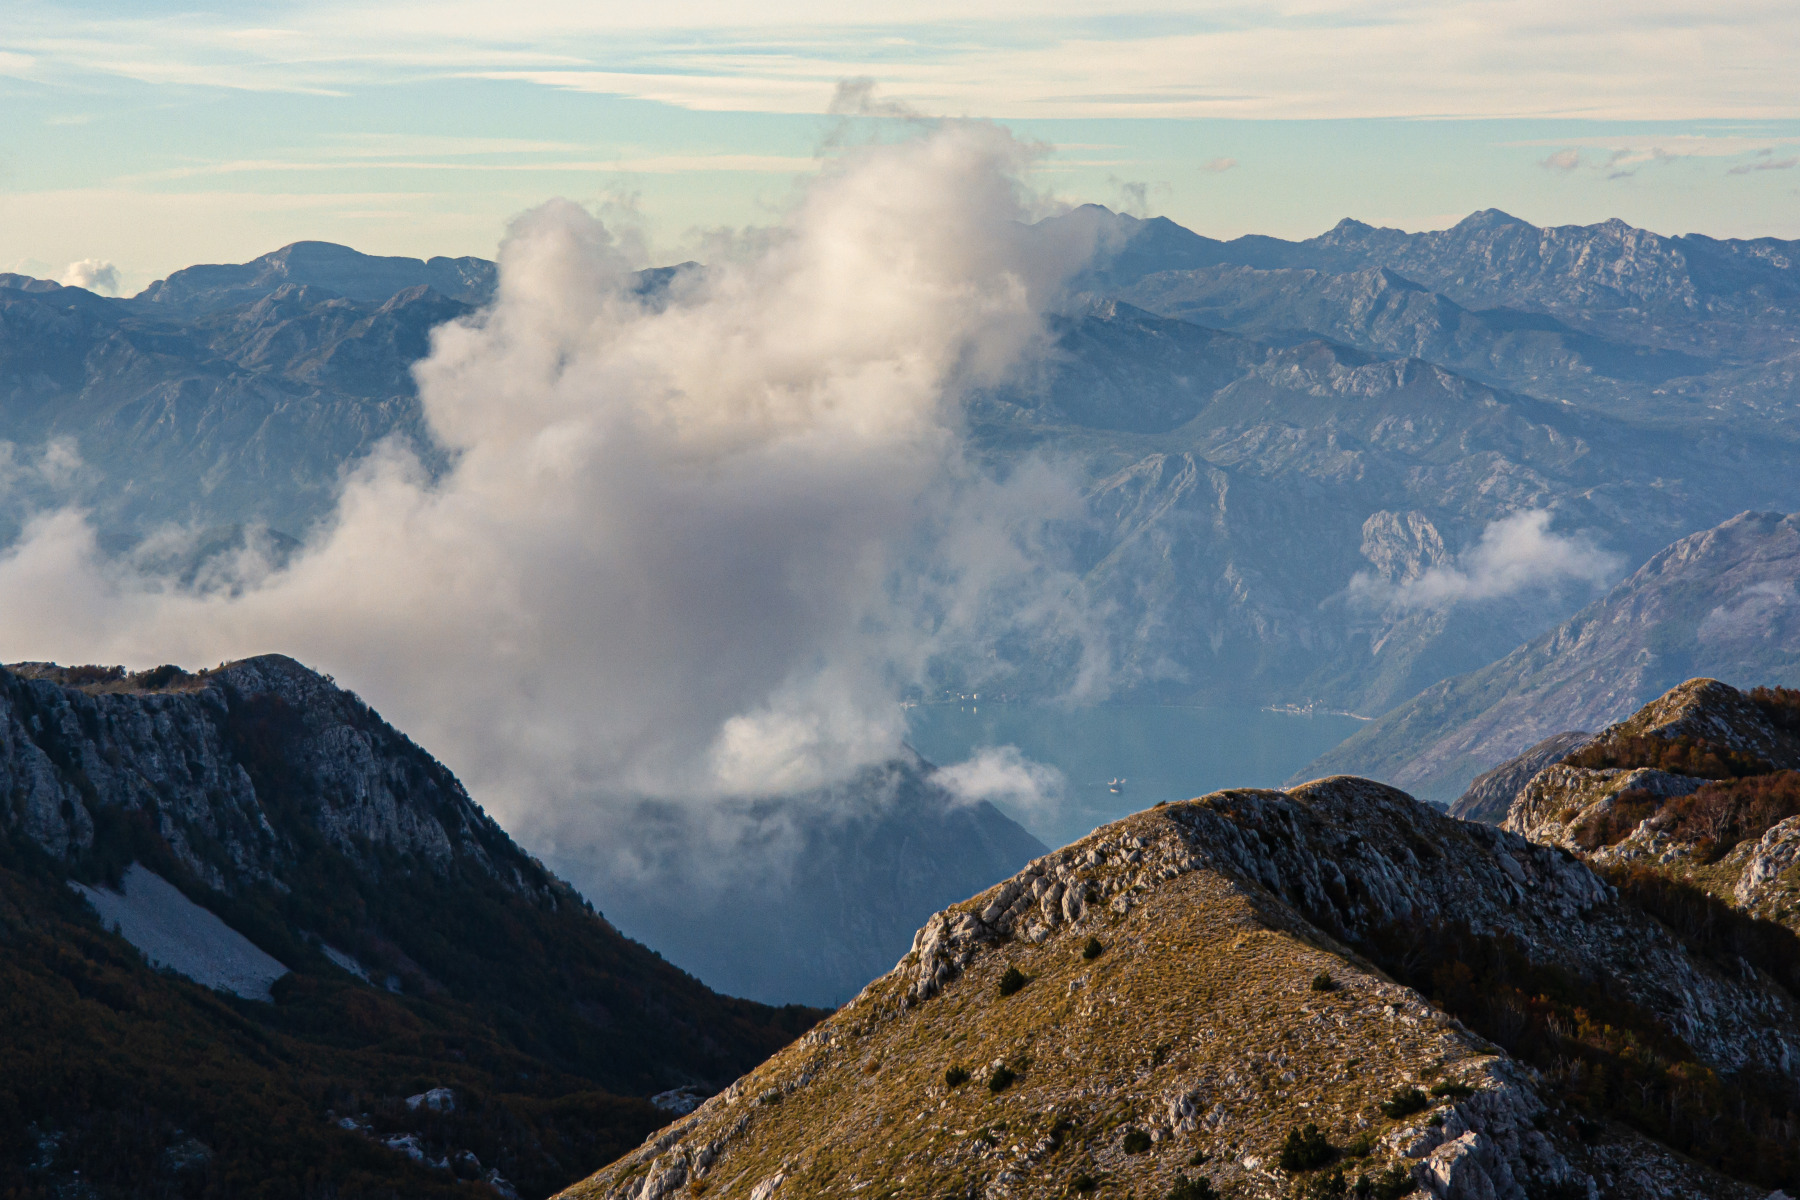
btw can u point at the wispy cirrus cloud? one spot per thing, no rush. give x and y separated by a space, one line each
1765 160
1653 59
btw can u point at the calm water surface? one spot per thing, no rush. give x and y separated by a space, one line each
1162 753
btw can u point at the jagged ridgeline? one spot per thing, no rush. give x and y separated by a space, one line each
383 937
1330 991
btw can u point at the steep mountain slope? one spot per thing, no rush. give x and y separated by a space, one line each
1227 521
1721 602
285 806
1213 996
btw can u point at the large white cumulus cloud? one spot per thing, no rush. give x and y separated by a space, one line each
687 546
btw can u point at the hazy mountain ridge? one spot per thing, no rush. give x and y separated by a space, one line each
1720 602
243 416
288 808
1180 993
1215 597
337 269
824 890
1343 391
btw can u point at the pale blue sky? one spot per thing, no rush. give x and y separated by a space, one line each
156 134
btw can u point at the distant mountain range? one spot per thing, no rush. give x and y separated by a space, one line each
1278 442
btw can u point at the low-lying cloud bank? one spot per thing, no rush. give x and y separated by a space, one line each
690 545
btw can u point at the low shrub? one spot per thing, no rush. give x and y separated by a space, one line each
1781 705
1012 981
1614 824
955 1076
1325 1187
1404 1103
1136 1141
1323 982
1001 1079
1192 1189
1093 949
1452 1091
1390 1184
1678 756
1720 815
1084 1183
1305 1149
1362 1145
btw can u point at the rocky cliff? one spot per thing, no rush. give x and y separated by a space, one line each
401 943
1328 991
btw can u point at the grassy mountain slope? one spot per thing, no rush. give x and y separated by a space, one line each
1329 991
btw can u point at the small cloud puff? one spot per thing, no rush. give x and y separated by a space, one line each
1562 160
1513 554
1003 773
94 274
1220 164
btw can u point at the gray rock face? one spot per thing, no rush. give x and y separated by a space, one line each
176 757
1774 854
1559 799
1491 795
1718 603
174 932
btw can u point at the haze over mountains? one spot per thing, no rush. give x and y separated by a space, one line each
1328 473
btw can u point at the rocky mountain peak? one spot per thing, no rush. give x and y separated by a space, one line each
1488 219
1699 786
1711 711
257 828
337 269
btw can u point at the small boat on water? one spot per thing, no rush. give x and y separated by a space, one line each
1116 786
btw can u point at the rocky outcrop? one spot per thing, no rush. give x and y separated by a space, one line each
1175 993
1769 879
1491 795
178 750
1559 800
1740 841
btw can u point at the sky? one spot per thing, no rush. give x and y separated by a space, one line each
156 134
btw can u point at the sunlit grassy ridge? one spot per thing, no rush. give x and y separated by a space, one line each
1214 1026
